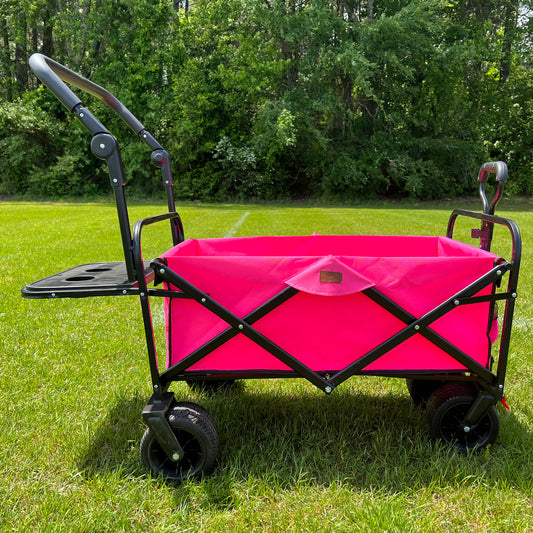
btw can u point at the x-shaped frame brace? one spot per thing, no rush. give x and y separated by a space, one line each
413 327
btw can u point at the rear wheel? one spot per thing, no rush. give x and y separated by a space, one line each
421 389
446 409
196 432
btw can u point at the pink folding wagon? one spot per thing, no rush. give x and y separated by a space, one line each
319 307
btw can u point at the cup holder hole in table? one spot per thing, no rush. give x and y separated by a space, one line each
80 278
99 269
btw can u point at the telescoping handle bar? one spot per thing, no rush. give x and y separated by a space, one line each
104 145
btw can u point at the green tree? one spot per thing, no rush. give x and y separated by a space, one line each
275 98
123 45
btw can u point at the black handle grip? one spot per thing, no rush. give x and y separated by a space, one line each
53 75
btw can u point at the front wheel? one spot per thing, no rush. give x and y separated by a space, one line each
446 410
196 432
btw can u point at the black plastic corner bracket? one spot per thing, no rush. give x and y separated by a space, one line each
155 416
478 410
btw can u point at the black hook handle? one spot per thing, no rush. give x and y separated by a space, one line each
492 167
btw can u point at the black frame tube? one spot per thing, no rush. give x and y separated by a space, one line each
226 335
240 325
421 326
53 75
512 284
144 294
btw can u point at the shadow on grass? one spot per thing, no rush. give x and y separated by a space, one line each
282 439
114 445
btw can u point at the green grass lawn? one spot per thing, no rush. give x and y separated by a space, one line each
74 379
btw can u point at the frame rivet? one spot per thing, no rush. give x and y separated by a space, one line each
241 326
514 295
417 327
82 115
161 270
327 390
102 146
499 272
203 300
176 456
466 429
456 302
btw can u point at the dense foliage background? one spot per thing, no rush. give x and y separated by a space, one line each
275 98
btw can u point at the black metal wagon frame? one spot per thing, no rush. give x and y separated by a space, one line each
460 405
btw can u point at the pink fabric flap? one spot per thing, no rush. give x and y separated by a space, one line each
329 276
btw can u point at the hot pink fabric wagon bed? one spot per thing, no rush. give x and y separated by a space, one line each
319 307
332 313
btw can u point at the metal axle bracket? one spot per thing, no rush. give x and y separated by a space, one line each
155 416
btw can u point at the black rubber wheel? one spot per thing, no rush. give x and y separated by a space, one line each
446 409
421 389
197 435
210 386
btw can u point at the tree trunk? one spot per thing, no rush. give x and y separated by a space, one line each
21 53
509 26
182 4
48 25
5 59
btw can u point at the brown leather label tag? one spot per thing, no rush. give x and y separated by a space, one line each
328 276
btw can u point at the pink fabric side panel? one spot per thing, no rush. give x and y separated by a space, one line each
329 338
315 245
328 332
324 245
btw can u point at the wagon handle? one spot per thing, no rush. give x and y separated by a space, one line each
492 167
104 146
54 75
